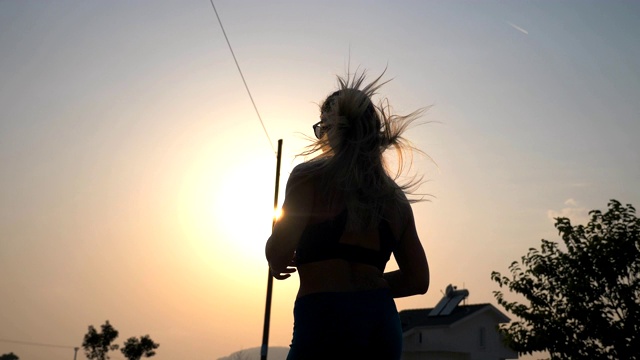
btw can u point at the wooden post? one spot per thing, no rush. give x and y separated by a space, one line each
267 311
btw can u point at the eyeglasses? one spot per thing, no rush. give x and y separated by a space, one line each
319 129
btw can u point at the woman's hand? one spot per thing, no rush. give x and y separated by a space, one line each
285 273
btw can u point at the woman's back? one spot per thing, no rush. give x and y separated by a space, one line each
333 258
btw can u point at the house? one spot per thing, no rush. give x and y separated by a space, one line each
451 331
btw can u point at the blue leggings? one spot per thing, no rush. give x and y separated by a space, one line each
346 325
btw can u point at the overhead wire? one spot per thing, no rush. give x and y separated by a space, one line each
29 343
242 76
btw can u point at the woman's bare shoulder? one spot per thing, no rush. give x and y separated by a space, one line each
400 203
300 172
307 172
300 178
307 168
399 214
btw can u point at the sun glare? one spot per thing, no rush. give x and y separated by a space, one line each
277 213
227 209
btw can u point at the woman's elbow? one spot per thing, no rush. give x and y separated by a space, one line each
268 251
416 284
421 283
277 258
422 288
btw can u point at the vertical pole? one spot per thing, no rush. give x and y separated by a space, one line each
267 311
75 352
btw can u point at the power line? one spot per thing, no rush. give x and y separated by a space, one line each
29 343
242 76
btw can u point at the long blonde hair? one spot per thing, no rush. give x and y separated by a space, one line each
351 153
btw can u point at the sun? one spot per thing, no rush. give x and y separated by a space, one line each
227 207
242 207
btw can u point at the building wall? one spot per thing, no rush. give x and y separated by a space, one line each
477 336
435 356
480 337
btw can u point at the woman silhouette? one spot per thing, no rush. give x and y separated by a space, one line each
343 217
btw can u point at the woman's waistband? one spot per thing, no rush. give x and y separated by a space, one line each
346 295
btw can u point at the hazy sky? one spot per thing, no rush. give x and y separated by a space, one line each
136 182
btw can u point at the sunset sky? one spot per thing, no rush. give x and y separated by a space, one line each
136 181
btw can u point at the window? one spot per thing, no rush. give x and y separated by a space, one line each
483 337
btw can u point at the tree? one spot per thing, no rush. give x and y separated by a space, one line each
135 349
584 303
9 356
97 345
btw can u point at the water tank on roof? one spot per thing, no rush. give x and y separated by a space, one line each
451 299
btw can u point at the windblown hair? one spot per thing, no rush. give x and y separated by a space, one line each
351 157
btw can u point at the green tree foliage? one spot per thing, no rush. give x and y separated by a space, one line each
135 349
584 303
9 356
97 345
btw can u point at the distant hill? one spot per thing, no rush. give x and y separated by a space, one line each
275 353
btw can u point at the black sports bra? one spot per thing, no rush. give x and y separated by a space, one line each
321 241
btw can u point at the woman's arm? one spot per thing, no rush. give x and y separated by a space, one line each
296 209
412 277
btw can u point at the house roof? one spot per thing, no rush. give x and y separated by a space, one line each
420 317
